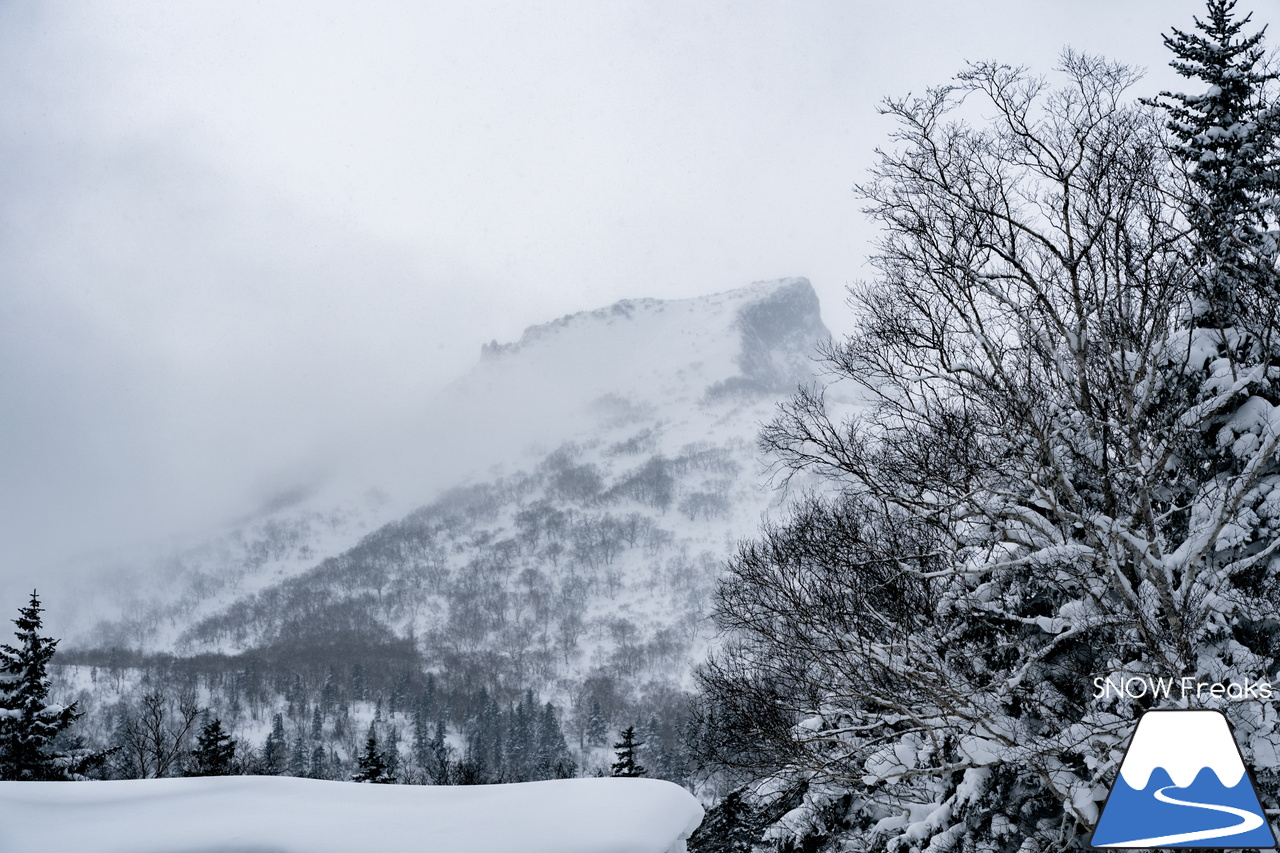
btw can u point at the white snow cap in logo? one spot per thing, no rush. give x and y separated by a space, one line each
1183 743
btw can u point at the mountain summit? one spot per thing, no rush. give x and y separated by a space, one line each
585 485
756 339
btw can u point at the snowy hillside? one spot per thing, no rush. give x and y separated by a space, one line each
694 369
612 469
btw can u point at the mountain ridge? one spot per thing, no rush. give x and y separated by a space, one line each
578 567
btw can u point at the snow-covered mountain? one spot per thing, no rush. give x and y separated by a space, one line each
576 495
657 374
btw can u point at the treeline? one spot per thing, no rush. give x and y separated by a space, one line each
507 571
573 582
149 714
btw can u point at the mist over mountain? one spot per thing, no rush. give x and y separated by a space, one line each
556 530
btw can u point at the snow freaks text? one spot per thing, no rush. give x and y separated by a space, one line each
1186 687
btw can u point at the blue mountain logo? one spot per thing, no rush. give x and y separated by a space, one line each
1183 784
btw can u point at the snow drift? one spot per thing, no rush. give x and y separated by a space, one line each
269 814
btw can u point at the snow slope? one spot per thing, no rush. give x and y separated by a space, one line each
257 814
704 369
605 467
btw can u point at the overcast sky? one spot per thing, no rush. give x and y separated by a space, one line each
236 237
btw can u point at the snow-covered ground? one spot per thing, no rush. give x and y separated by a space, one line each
268 814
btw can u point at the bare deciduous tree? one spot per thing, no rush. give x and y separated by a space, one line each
155 734
1061 474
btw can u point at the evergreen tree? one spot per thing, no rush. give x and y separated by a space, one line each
318 769
295 696
1226 135
484 756
658 758
215 751
420 745
731 826
427 698
298 758
372 766
521 743
400 695
329 693
359 688
317 723
553 759
391 752
275 750
29 722
597 728
442 763
626 753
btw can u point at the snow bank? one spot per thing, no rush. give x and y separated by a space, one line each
268 814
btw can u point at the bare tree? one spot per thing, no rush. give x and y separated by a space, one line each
1060 475
155 734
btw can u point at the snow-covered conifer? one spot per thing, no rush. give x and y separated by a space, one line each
275 750
391 752
442 755
318 768
597 728
29 722
298 758
553 759
215 751
317 723
626 754
372 765
1225 132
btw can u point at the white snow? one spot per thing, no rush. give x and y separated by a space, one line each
1183 743
256 814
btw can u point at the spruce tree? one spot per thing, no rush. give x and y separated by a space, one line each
553 759
521 743
400 695
391 752
421 743
318 770
328 693
597 728
298 758
659 760
1225 133
275 750
29 722
626 752
441 768
215 751
372 766
359 688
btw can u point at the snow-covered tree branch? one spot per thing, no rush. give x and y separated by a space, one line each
1067 470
